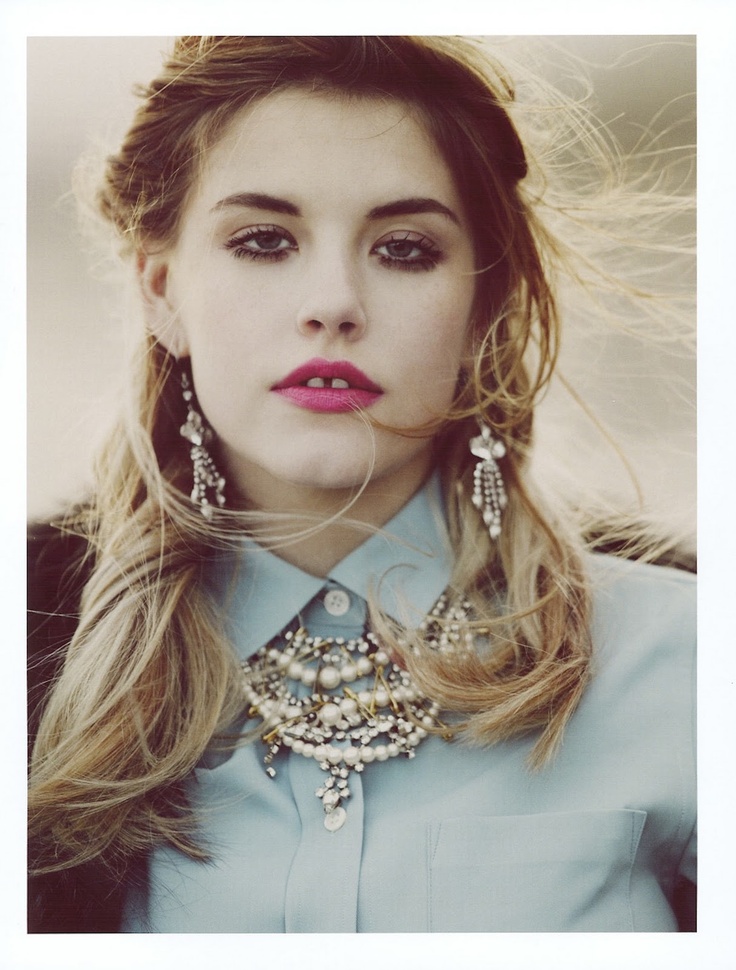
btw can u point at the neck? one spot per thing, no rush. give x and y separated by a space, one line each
337 520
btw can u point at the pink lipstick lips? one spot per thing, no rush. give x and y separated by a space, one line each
328 386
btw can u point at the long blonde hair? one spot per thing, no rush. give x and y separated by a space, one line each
149 677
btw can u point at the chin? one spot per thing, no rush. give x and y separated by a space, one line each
333 478
311 468
328 464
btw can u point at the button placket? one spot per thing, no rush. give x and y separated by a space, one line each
323 858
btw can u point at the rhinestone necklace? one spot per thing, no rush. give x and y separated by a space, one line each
343 728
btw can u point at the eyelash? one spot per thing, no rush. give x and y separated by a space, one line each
238 244
430 255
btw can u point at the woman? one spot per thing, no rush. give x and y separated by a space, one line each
318 628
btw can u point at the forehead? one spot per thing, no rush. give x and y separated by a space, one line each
298 140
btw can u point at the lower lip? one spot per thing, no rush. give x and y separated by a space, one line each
329 400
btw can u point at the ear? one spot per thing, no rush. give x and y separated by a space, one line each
162 319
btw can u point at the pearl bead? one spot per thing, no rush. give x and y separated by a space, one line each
307 750
295 670
365 697
351 756
330 714
349 672
334 755
367 755
381 657
393 749
381 698
297 746
329 677
365 665
348 706
381 752
308 676
320 752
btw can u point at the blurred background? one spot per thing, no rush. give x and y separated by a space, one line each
80 100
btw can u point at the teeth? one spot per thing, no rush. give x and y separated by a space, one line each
336 382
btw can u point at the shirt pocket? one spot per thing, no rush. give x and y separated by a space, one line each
533 873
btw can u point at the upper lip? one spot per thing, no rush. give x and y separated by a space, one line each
328 369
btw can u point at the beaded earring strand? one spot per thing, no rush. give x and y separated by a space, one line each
208 484
489 493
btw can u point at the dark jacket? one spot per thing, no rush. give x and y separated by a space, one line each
88 898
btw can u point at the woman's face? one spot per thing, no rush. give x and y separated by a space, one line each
324 265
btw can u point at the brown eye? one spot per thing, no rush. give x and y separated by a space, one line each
266 241
402 249
408 251
262 242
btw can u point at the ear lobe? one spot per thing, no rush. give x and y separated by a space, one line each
161 318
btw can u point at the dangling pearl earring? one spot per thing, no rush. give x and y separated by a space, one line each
489 494
208 482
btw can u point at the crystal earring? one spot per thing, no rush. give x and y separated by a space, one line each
209 485
489 494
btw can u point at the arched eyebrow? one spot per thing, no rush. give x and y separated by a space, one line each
258 200
412 207
400 207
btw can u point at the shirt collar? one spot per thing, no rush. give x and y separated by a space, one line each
405 566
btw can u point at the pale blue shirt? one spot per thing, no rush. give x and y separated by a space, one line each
457 839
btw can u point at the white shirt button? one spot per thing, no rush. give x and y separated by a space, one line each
336 602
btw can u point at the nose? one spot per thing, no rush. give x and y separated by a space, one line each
332 302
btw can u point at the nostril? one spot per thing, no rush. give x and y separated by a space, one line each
315 325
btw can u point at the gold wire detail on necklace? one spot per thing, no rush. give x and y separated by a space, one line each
344 702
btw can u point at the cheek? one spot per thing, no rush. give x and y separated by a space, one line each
227 325
440 332
217 297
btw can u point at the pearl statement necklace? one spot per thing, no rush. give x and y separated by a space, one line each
345 728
